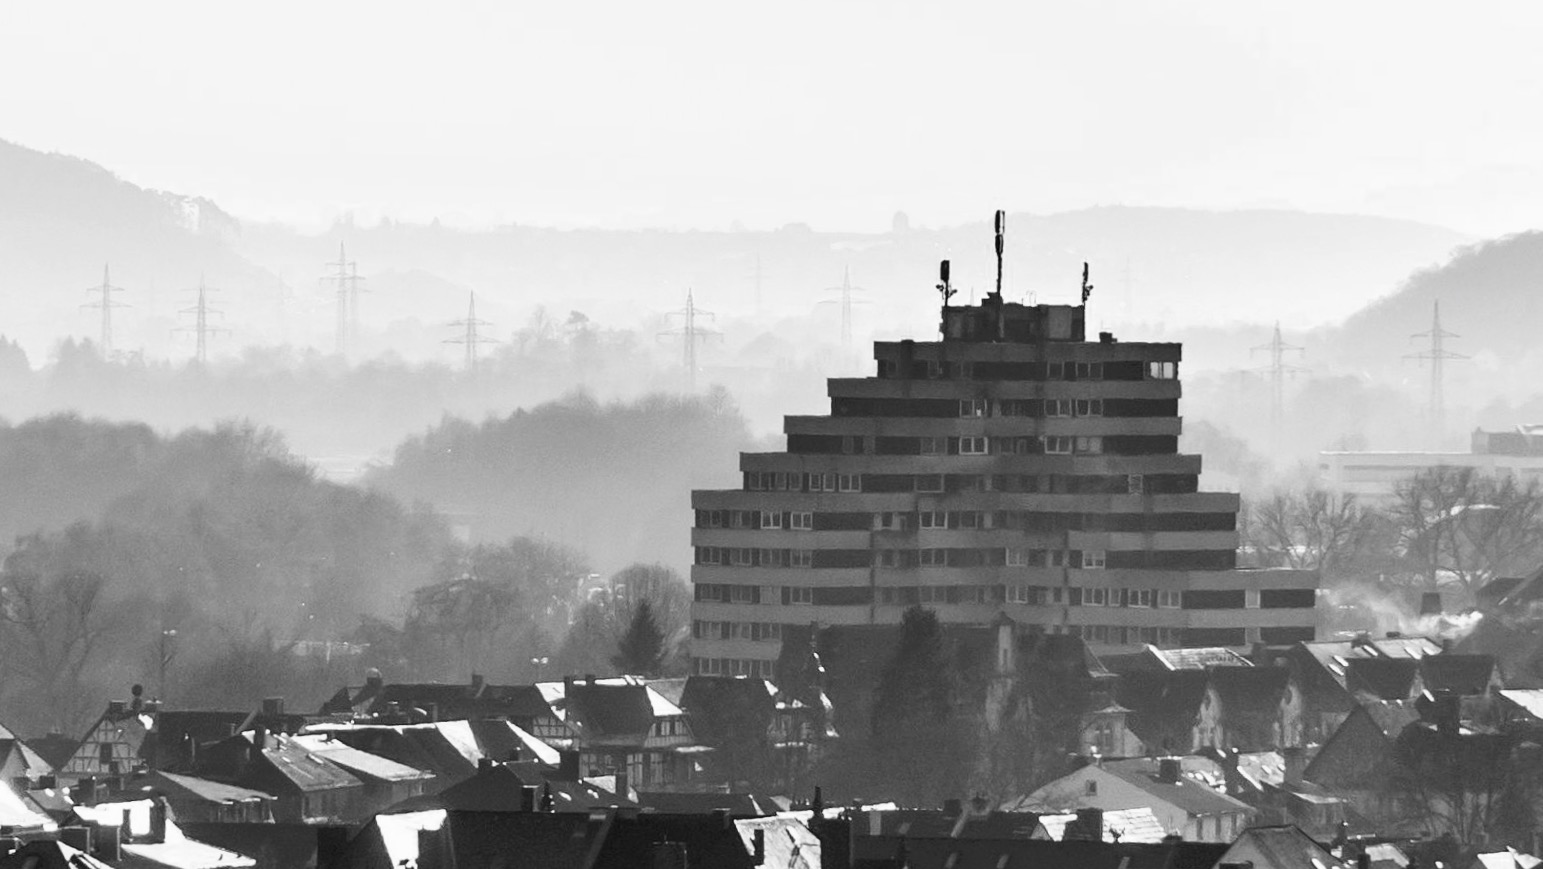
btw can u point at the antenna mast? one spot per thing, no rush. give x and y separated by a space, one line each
1437 354
691 333
1278 369
201 328
106 304
1001 231
846 301
470 338
345 279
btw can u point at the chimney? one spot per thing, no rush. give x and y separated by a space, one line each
527 798
485 765
259 740
758 847
273 706
116 707
1296 763
623 786
109 843
158 820
723 818
476 684
1168 770
568 765
78 838
1234 779
86 791
47 782
589 678
567 687
1446 713
1089 826
373 679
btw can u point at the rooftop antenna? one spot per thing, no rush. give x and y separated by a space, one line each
1437 354
1001 231
201 328
846 301
1087 288
345 279
691 333
1278 370
470 338
106 304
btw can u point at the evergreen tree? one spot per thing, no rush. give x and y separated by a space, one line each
922 749
641 649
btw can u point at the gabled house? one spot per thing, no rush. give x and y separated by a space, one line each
624 728
1186 710
307 788
1283 847
386 782
200 800
1357 763
1183 806
761 738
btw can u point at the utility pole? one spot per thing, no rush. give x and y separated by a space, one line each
345 280
690 333
470 338
106 304
201 328
846 300
1277 369
1437 355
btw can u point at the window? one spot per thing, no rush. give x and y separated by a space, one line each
1090 371
1092 445
1092 559
801 521
931 446
715 519
800 558
929 482
1090 788
742 594
851 444
886 558
970 519
774 558
780 481
1169 600
1138 597
1058 407
933 557
1056 558
1090 407
800 594
849 482
1025 594
771 519
740 557
1095 597
932 519
1162 370
972 407
936 369
972 446
1059 445
892 521
1136 484
1016 558
1055 371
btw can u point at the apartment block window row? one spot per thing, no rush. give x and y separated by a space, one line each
972 408
1061 370
1054 484
1121 635
752 631
754 667
1016 520
793 481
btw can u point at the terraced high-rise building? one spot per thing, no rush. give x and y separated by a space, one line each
1011 467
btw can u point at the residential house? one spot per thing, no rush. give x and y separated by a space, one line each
386 782
1322 670
1356 762
761 737
623 727
139 735
1282 847
1182 805
195 799
307 788
1189 709
19 761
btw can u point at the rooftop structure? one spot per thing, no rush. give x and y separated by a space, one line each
1376 475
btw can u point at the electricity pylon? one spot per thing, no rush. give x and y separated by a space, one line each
470 338
690 333
345 280
1278 369
846 300
1437 354
201 329
106 304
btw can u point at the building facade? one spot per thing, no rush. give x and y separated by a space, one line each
1011 467
1376 476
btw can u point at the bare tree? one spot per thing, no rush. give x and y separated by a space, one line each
55 628
1460 526
1311 529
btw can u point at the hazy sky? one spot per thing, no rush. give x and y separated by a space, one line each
834 113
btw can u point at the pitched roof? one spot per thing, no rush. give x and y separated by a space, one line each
1123 825
1530 700
501 740
1383 678
1464 675
788 842
1283 847
176 850
1191 796
50 854
1510 858
1198 658
305 769
361 763
204 789
1248 689
499 787
737 805
1027 853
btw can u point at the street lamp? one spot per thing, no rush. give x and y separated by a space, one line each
540 662
168 650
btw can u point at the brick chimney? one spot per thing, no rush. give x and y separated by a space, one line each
1296 763
1169 770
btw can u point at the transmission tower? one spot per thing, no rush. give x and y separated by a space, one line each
345 281
690 334
1437 355
1278 370
470 338
846 300
106 304
201 329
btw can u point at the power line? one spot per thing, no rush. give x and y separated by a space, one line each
201 328
1437 354
470 338
690 333
345 280
106 304
1278 370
